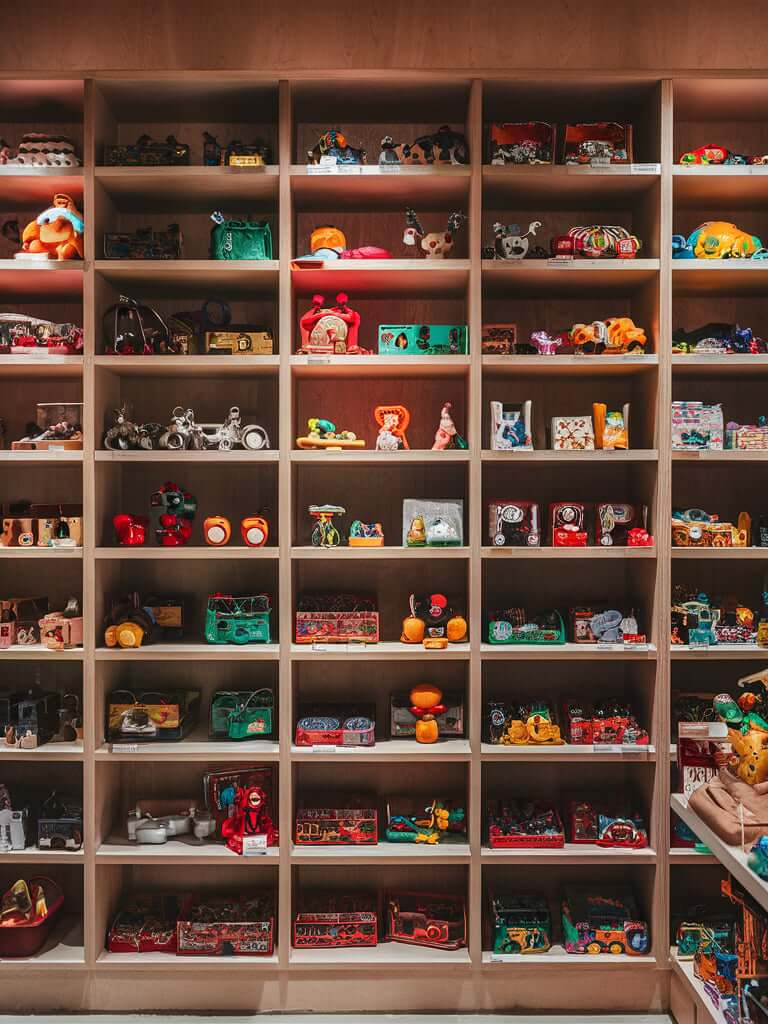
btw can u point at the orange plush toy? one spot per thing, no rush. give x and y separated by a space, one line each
425 706
57 233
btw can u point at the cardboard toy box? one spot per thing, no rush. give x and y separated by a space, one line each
218 926
239 343
351 824
167 715
335 919
422 339
450 722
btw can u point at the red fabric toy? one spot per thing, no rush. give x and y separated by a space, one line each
250 818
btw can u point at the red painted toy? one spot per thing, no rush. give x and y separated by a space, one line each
250 818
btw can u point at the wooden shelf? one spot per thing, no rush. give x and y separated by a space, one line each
38 858
706 1011
733 186
36 652
599 457
47 752
60 367
169 963
179 458
360 456
733 457
33 186
388 751
386 552
258 276
385 651
375 187
49 458
557 184
737 652
568 277
406 854
195 747
566 752
734 554
719 366
207 186
34 553
184 850
571 853
190 652
384 278
27 279
570 366
189 366
545 553
559 652
187 552
395 955
64 951
733 858
719 277
380 366
689 858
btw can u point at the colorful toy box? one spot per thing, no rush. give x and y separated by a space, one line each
422 339
218 926
449 722
427 919
603 919
152 715
520 923
332 920
514 824
335 725
336 619
353 823
697 426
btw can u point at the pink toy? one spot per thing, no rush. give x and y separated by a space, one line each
546 344
446 435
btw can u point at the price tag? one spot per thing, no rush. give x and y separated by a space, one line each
560 261
125 748
698 645
254 846
323 748
603 646
633 357
645 169
608 748
322 168
317 645
497 958
348 169
389 168
318 360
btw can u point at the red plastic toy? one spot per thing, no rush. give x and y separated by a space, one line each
250 818
131 530
330 330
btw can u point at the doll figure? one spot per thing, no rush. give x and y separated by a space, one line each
447 435
249 818
57 233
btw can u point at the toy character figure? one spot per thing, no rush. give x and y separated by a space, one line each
56 233
432 622
393 422
511 244
426 704
249 818
446 435
716 240
435 245
173 513
131 531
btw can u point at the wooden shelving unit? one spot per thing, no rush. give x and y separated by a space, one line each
653 197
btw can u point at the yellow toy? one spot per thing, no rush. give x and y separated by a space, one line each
57 233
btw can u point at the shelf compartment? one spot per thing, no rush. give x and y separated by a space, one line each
722 652
22 280
732 858
556 956
374 187
732 186
371 278
388 752
188 366
25 188
729 366
569 366
560 652
705 1010
61 367
557 185
47 752
256 276
601 277
719 277
64 950
578 752
194 186
358 367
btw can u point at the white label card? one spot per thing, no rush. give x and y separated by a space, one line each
608 748
645 169
323 748
254 846
125 748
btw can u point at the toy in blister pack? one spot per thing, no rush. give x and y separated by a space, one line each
57 426
717 339
704 929
609 721
332 148
529 142
324 532
513 724
365 535
520 923
427 919
432 245
61 631
499 340
599 144
235 154
603 920
392 421
568 524
147 152
333 920
249 817
243 925
151 715
410 820
330 330
572 433
514 524
433 523
241 714
433 622
146 923
352 821
618 524
747 436
336 725
443 146
693 527
144 244
60 823
697 427
521 824
516 625
511 426
22 335
336 619
606 826
20 619
237 620
593 624
14 824
717 240
422 339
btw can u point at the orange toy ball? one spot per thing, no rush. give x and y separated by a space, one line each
456 629
413 631
426 695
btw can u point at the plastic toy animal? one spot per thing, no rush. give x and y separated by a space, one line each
510 244
435 245
716 240
56 233
124 435
444 146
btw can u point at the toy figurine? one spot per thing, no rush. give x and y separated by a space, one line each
365 535
435 245
250 817
324 533
56 233
173 513
148 152
433 622
446 435
511 244
408 821
130 530
324 434
332 148
327 242
444 146
718 339
712 155
330 330
717 240
511 426
217 530
523 724
616 335
393 422
417 534
425 705
255 531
